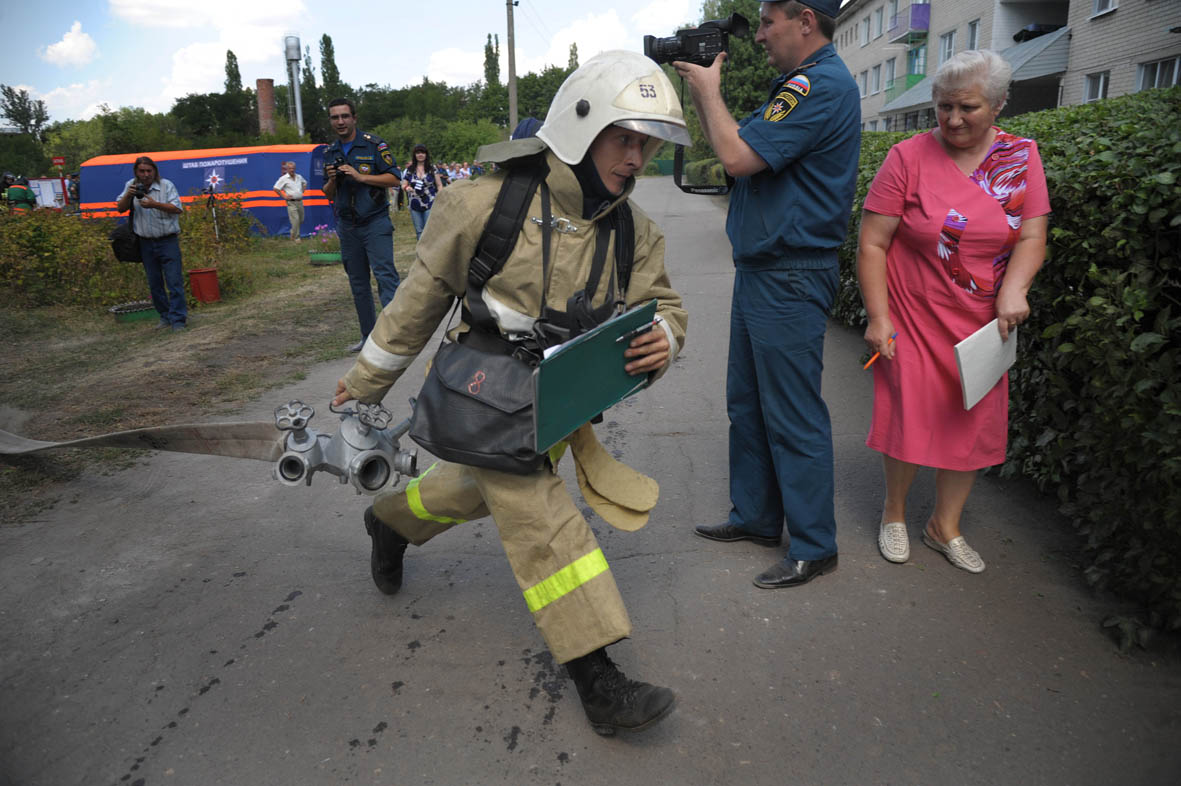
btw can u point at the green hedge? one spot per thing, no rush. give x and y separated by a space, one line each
1095 414
49 258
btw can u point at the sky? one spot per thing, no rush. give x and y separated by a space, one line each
77 56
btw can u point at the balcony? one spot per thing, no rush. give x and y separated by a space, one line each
910 24
896 87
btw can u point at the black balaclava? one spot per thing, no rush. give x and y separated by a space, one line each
595 195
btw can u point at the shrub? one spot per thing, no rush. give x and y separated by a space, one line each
1096 396
52 258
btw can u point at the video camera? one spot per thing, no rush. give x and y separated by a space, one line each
697 45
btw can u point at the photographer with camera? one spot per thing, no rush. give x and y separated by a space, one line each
795 161
358 171
155 217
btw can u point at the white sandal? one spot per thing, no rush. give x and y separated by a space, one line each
958 552
893 542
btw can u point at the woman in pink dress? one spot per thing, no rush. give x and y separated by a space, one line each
953 232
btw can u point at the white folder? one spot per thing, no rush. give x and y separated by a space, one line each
982 359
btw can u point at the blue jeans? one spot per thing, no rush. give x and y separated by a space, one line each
161 260
419 218
363 248
781 456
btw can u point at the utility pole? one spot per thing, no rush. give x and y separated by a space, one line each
291 51
512 69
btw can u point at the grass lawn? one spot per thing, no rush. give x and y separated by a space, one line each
67 373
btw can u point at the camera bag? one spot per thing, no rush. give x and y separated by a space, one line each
124 241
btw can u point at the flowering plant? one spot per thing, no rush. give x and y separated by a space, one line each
325 240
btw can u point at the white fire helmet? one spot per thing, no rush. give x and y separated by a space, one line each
619 88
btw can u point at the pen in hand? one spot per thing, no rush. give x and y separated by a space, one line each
878 354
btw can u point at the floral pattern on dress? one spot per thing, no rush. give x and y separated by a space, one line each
949 250
1002 176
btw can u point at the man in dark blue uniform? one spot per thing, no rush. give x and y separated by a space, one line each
795 160
358 168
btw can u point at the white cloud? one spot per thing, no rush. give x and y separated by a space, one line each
593 33
663 17
218 14
457 67
76 101
75 49
253 31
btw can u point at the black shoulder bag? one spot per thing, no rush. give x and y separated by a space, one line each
124 241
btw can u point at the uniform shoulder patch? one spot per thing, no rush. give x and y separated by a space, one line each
799 83
780 106
386 155
382 145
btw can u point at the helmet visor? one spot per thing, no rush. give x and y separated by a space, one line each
666 131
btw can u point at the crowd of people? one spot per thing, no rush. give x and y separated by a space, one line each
953 234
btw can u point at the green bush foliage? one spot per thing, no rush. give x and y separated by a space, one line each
52 258
1096 395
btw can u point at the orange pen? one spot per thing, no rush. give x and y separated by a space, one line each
877 354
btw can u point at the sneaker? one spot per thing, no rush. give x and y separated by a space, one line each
178 327
958 552
893 543
358 346
163 323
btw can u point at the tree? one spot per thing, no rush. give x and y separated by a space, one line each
312 101
492 62
329 73
23 112
233 75
572 63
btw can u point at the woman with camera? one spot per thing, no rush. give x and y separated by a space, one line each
155 218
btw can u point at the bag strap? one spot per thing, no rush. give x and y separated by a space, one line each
507 218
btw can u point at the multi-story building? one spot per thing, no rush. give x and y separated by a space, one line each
1062 51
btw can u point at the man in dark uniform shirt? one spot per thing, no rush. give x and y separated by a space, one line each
360 200
795 160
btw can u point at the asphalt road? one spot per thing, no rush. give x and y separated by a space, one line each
193 622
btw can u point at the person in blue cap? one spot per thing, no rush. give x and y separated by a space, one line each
795 164
358 173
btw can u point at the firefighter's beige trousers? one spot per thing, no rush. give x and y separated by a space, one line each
553 552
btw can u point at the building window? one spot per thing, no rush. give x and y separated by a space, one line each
873 125
875 80
1162 73
863 82
889 72
886 123
974 34
916 60
877 22
865 31
946 47
1103 6
1096 87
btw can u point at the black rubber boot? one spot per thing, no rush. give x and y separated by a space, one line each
385 559
612 701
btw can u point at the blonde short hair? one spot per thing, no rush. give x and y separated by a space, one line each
981 68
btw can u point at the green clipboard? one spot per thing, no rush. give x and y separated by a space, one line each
585 376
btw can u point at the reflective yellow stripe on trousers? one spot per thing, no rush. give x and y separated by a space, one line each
414 500
566 580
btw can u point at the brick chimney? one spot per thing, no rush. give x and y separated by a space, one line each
265 92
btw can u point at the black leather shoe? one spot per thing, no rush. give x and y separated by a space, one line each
728 533
793 572
385 559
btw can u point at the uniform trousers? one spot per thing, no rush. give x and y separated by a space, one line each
565 579
781 457
364 248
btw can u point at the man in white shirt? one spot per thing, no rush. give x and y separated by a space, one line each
290 187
